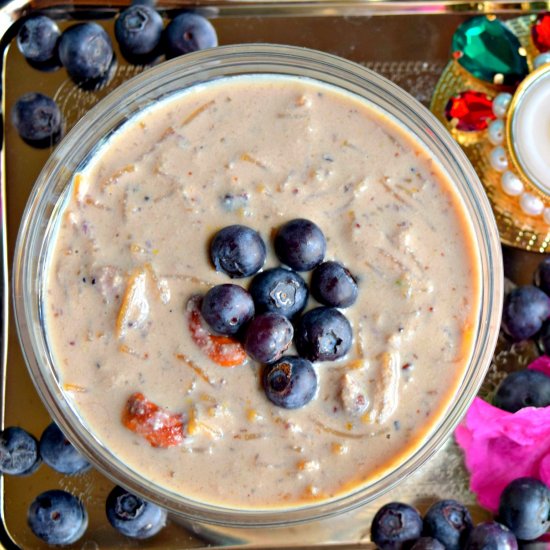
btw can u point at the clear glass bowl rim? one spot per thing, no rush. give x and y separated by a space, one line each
200 67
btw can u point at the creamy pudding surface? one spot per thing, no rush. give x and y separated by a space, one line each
131 251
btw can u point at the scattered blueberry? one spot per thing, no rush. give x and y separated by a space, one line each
57 517
37 40
543 338
132 516
189 32
427 543
395 526
300 244
525 508
86 51
541 277
449 522
238 251
268 336
524 388
58 452
333 285
280 291
226 308
525 309
323 334
37 119
491 535
138 30
290 383
18 452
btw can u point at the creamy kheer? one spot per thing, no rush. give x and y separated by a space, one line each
131 250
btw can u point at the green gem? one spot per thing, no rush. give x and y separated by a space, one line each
487 48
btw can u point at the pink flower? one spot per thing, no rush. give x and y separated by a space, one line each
500 446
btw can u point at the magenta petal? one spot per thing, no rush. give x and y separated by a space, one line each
541 364
500 446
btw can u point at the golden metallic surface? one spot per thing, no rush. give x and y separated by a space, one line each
407 42
516 228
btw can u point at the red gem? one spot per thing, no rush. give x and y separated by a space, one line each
540 31
471 111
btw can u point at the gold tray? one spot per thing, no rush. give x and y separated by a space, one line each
408 42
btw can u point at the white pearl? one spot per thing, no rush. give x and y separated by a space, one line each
496 131
511 184
498 159
541 59
501 104
530 204
546 215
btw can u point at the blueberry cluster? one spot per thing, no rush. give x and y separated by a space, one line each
267 315
58 517
86 51
523 515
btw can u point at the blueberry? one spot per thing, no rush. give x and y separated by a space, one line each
427 543
280 291
525 309
543 338
37 119
525 508
491 535
189 32
268 336
290 383
18 452
58 452
132 516
138 30
238 251
86 52
541 277
300 244
226 308
395 526
525 388
57 517
333 285
323 334
37 40
449 522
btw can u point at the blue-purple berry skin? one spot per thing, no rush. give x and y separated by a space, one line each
449 522
279 290
300 244
525 388
57 517
86 52
268 336
323 334
333 285
396 526
19 454
525 310
238 251
525 508
291 382
227 308
189 32
427 543
60 454
491 535
38 38
37 119
138 30
132 516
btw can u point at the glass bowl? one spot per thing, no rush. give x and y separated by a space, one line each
50 192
